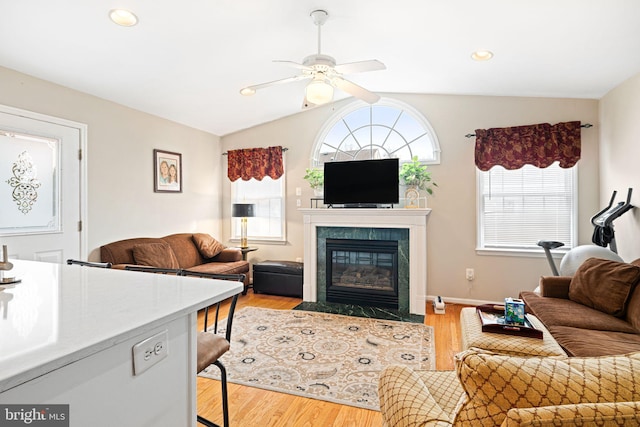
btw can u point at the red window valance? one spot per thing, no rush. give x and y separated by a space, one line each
255 163
538 145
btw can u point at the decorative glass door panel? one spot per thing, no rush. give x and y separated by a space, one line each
29 184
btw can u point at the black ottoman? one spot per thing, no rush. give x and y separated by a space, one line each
278 278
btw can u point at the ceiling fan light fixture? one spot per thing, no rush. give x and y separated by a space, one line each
123 17
319 92
325 74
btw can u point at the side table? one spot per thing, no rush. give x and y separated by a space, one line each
245 251
472 336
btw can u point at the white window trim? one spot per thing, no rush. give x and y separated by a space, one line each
521 252
235 233
355 105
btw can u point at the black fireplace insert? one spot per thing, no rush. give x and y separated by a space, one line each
363 272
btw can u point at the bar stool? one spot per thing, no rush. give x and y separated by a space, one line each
156 270
88 263
212 346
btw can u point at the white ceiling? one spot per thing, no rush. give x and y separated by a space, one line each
186 61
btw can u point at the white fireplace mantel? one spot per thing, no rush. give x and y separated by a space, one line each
415 220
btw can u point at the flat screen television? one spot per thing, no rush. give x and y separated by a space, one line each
361 183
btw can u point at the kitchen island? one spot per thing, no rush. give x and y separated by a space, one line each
67 336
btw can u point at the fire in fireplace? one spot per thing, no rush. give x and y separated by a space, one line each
363 272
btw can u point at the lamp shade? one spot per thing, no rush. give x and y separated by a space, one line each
243 210
319 92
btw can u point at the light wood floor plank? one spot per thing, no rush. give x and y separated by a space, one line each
253 407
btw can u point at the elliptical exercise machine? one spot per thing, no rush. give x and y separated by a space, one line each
603 236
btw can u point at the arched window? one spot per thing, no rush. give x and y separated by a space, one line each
388 129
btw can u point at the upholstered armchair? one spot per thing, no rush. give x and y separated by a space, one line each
488 389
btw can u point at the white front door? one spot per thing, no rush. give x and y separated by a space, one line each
40 185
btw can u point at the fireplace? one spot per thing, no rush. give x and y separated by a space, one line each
408 227
363 272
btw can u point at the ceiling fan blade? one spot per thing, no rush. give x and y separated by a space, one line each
355 90
360 67
294 65
277 82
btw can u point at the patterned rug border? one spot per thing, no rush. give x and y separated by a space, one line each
268 355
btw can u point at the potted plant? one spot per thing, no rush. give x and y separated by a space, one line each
315 178
416 177
414 174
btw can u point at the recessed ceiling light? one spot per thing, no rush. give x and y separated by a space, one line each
482 55
123 17
247 91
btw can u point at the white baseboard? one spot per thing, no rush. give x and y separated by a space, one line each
463 301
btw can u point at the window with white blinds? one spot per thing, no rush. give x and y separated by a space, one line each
268 196
517 208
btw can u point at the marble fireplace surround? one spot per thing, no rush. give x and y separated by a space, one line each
415 220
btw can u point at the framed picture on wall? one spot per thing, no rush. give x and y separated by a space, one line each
167 172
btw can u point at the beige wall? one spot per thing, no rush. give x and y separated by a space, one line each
619 154
452 226
121 201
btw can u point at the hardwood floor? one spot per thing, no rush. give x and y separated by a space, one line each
255 407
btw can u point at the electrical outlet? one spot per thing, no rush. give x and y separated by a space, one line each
298 203
470 274
150 351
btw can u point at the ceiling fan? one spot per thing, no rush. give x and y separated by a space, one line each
324 74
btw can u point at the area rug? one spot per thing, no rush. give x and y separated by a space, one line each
319 355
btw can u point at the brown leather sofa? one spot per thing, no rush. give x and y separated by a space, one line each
596 312
196 252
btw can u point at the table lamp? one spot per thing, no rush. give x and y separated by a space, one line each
243 211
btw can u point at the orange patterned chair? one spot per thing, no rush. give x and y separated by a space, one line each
490 389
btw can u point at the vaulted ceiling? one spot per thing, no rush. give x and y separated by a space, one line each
186 61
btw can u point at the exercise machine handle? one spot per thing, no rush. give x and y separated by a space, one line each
605 217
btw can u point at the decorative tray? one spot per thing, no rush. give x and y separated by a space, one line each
492 320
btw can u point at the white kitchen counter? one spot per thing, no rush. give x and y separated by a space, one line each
59 315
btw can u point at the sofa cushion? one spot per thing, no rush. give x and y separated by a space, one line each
207 245
495 383
604 285
185 249
633 309
157 254
121 252
237 267
583 414
585 342
563 312
555 286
